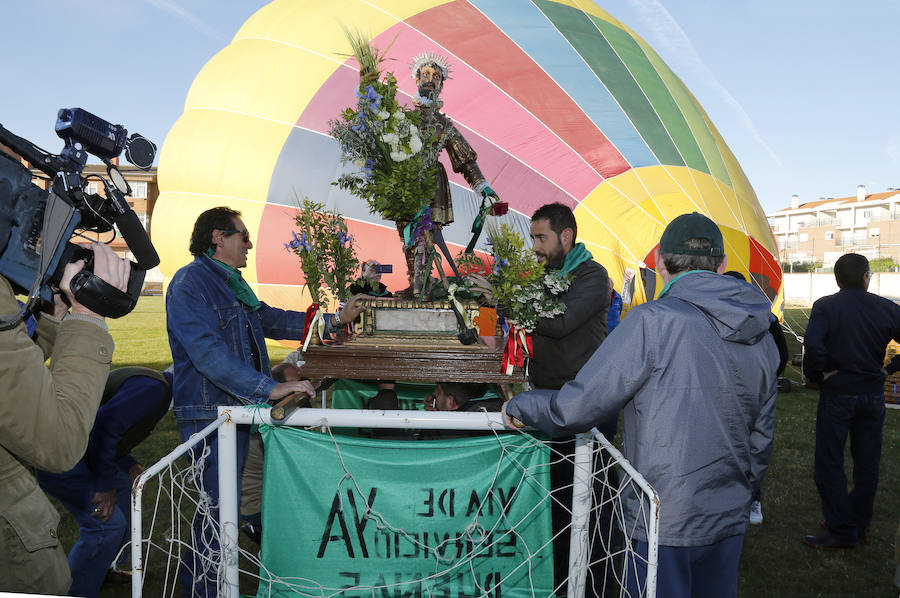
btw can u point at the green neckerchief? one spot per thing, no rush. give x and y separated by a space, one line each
238 285
669 284
575 258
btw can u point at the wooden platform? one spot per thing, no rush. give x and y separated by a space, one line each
410 360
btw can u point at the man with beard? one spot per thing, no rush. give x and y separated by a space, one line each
562 345
695 373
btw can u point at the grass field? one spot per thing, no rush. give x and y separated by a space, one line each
774 561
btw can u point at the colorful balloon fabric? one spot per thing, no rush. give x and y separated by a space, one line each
561 101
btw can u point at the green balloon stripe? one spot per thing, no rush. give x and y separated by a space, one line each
597 53
632 55
693 114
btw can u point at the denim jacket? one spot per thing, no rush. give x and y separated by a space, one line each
210 334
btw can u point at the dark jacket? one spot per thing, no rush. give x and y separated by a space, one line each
695 374
849 332
563 344
139 397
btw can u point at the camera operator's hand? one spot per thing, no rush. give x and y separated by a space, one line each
107 265
58 308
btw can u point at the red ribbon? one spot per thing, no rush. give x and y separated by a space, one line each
310 314
518 346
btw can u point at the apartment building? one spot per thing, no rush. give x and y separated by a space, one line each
824 230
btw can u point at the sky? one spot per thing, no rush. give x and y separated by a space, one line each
805 92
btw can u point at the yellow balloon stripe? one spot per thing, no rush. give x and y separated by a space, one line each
637 205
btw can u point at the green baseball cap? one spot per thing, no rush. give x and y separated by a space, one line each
692 226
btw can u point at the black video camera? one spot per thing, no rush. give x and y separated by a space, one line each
36 224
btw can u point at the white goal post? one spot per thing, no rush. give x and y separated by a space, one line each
583 490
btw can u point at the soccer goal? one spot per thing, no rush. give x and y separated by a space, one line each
449 504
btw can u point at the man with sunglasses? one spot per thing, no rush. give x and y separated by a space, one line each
217 329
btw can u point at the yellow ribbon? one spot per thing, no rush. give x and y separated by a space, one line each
318 323
451 295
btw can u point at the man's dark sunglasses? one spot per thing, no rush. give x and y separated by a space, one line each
230 231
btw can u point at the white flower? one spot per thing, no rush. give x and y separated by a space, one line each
384 115
359 162
399 156
390 138
415 144
414 130
399 115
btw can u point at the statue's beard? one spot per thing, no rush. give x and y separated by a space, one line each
429 91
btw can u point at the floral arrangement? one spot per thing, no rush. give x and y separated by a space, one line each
325 248
522 288
392 147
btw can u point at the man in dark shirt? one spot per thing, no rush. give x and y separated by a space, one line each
97 491
845 342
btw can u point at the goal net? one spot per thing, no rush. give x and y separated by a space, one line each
460 507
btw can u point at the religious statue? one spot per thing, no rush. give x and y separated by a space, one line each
430 71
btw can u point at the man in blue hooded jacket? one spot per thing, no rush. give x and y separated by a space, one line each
695 373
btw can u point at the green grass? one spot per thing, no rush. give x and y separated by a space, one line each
774 561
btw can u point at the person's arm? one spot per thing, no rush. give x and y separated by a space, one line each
46 414
612 376
761 438
780 342
814 339
586 297
139 400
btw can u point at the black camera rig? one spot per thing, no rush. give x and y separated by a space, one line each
36 224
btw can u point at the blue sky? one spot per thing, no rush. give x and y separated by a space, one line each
806 93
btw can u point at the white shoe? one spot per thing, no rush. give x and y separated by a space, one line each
755 513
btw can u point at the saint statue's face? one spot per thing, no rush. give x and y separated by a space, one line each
430 81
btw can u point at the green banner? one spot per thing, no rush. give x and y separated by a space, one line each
452 518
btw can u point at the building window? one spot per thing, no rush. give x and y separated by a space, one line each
867 214
804 237
874 232
829 236
138 188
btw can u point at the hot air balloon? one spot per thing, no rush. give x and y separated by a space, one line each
561 101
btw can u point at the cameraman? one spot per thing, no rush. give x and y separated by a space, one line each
46 414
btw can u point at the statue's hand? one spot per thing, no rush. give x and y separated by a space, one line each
488 192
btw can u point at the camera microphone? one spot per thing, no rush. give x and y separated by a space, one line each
137 240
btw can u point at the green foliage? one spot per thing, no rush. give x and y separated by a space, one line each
393 148
794 267
325 248
519 283
883 264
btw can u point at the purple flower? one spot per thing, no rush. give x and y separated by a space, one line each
344 238
501 263
373 97
369 169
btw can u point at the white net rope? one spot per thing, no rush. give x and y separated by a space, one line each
604 548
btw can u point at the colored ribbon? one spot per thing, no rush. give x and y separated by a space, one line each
478 224
518 346
315 320
410 228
